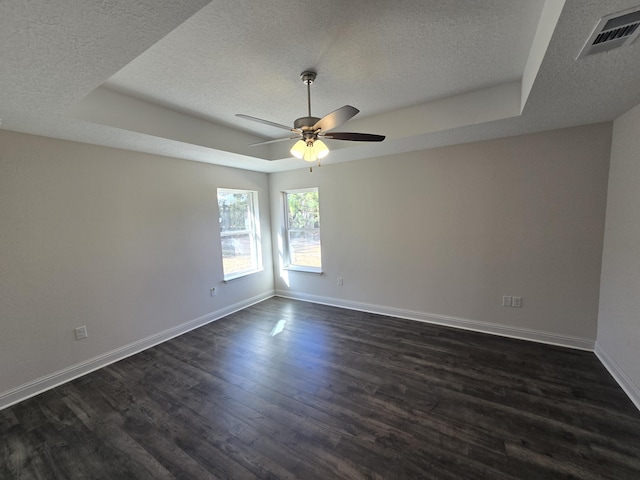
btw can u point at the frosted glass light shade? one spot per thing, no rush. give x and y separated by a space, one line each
309 153
320 149
298 149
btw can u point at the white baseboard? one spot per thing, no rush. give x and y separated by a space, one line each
463 323
52 380
617 372
47 382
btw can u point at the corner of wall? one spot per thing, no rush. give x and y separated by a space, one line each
619 375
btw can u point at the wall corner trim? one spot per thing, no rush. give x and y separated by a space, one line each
42 384
619 375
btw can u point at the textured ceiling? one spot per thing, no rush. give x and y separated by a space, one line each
233 58
167 76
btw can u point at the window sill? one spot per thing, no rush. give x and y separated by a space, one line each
235 276
297 268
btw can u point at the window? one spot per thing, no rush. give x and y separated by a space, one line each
239 232
302 224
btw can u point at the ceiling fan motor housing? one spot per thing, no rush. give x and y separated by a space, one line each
305 123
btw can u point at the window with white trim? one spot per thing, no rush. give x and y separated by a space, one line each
302 230
239 232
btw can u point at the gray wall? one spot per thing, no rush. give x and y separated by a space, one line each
125 243
128 244
619 317
441 235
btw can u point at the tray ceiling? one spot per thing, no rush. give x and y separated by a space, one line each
168 77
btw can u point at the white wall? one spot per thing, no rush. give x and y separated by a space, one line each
619 317
125 243
441 235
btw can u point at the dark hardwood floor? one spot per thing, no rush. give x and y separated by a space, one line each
337 394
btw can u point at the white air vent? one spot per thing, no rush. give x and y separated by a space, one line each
613 31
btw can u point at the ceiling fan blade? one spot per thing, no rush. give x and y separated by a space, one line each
354 137
335 118
266 122
272 141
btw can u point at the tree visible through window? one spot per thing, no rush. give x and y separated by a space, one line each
239 232
303 229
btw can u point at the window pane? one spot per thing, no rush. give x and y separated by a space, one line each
239 235
303 229
237 254
234 211
304 248
303 210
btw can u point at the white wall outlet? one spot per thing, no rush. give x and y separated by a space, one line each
212 292
516 302
81 333
506 301
339 281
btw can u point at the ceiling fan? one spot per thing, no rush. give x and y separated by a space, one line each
311 130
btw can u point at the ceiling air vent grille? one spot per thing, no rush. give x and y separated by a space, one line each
613 31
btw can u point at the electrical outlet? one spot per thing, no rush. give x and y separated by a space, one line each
339 282
506 301
212 292
81 333
516 302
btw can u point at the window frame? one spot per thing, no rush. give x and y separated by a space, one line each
253 232
287 248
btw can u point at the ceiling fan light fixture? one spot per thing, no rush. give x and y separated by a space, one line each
309 151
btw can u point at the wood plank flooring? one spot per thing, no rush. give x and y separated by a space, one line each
337 394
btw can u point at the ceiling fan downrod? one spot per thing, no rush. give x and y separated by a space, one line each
307 78
306 123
